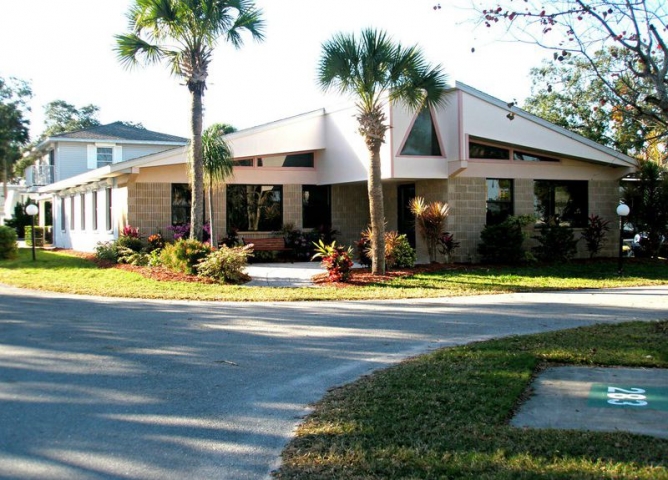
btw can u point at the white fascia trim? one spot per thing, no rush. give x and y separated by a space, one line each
629 161
106 141
277 123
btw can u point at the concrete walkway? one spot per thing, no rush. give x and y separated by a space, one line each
108 388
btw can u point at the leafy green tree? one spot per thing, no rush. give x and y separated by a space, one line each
14 126
373 69
637 28
184 34
217 157
61 117
572 95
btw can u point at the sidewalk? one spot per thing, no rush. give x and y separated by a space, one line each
296 274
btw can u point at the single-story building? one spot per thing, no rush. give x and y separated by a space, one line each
485 158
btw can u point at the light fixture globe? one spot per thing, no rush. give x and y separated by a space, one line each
623 210
32 210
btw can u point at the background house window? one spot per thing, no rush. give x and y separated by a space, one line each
422 139
499 200
316 206
109 209
82 200
105 156
95 210
63 218
564 200
293 160
181 202
254 207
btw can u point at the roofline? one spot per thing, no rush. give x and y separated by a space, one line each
556 128
283 121
109 171
48 140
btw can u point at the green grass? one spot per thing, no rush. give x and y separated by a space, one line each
60 272
445 415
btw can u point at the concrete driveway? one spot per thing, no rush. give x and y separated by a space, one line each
107 388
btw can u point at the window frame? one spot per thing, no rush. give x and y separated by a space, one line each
513 152
82 206
573 221
274 225
510 204
328 205
104 163
109 210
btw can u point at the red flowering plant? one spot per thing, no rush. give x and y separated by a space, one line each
335 259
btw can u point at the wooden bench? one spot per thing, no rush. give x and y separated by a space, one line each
272 244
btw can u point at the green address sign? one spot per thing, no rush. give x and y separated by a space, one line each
631 397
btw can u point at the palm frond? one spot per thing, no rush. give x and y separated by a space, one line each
131 50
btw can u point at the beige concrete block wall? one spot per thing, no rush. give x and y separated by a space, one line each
467 198
292 206
603 201
350 212
150 208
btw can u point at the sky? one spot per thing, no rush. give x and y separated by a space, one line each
65 49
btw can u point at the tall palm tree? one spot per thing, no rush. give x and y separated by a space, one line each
217 157
184 33
375 70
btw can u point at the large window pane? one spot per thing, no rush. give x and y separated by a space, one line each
489 152
316 206
499 200
254 207
294 160
422 140
565 201
181 200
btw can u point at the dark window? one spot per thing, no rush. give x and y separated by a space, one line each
71 213
181 201
499 200
531 157
63 220
82 198
254 207
563 200
422 140
316 206
95 210
480 150
244 162
295 160
109 209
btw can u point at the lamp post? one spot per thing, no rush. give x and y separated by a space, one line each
32 211
622 210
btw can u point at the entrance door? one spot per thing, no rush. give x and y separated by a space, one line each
406 220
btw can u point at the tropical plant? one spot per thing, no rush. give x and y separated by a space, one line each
430 220
398 251
9 248
594 234
226 264
107 251
556 242
184 33
374 70
217 159
184 255
504 242
129 238
336 260
446 245
155 242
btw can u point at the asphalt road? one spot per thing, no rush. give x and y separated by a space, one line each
98 388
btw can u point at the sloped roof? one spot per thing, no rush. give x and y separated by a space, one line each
118 131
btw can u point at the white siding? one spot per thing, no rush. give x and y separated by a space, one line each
72 160
135 151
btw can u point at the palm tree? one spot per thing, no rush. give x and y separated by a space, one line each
184 33
375 70
217 158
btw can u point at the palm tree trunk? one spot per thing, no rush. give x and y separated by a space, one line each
377 213
197 166
213 241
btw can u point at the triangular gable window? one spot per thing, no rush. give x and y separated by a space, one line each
422 140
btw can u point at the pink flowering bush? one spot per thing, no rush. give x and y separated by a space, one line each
335 259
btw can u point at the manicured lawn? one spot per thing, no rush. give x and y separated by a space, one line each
60 272
445 415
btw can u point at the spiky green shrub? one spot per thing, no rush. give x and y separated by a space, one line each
184 255
556 242
9 248
594 234
107 251
398 252
226 264
503 242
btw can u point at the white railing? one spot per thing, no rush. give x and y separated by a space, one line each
39 175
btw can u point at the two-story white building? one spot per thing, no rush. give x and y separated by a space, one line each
486 159
70 154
